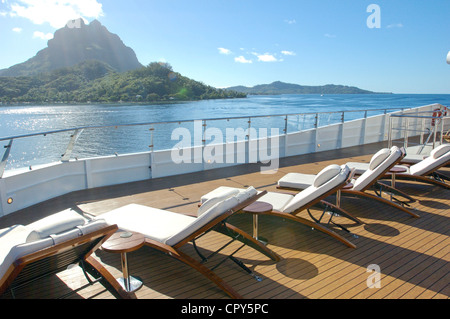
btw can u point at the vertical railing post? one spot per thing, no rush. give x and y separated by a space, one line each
152 148
405 141
390 133
286 125
152 145
285 151
73 139
5 158
249 150
435 133
203 142
422 130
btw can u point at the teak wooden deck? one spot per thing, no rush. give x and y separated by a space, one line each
412 254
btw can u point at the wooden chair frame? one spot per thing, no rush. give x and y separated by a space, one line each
57 258
320 202
218 224
432 177
375 183
381 187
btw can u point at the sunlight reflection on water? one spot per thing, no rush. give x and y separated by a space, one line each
18 120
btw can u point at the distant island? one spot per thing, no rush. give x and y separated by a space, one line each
96 82
278 87
85 63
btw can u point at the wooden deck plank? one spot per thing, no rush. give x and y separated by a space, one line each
413 253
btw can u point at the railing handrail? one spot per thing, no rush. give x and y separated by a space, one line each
188 121
437 118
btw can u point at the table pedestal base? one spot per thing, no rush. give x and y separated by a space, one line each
262 240
131 284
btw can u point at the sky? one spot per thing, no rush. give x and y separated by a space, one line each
397 46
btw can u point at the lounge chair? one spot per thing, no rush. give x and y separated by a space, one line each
288 206
380 164
49 246
425 171
168 232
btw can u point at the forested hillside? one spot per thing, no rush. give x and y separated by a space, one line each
97 82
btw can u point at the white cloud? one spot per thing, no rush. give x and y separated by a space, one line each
42 35
267 58
287 52
332 36
55 12
17 30
224 51
290 21
242 59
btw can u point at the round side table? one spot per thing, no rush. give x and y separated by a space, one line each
394 170
255 209
123 243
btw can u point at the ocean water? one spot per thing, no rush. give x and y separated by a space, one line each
21 120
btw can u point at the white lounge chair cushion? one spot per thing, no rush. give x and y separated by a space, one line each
303 181
214 212
12 251
439 156
412 159
335 175
358 167
222 191
379 158
313 192
326 175
162 225
14 241
54 224
368 177
286 203
296 180
277 200
440 150
85 229
218 197
10 237
247 194
153 223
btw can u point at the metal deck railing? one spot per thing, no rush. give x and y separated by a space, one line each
430 126
110 141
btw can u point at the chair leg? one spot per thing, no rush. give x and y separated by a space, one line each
423 179
381 187
440 177
313 225
334 211
205 271
379 199
246 239
340 211
188 260
93 267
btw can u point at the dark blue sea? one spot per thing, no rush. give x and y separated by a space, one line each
28 119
